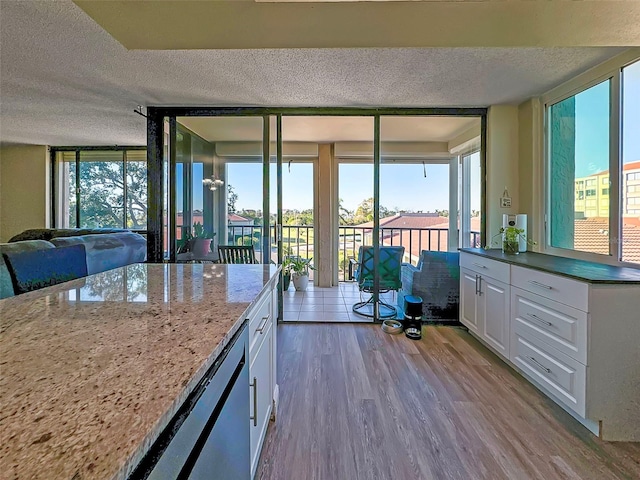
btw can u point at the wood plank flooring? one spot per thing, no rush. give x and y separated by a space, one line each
356 403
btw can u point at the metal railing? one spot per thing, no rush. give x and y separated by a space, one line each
298 240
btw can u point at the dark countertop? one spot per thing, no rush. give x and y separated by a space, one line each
591 272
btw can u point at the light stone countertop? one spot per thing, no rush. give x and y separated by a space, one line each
92 370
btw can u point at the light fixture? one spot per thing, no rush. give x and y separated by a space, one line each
213 182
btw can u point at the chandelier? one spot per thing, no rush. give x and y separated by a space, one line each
213 182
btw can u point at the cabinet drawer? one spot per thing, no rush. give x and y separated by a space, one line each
561 289
553 371
485 266
259 321
562 327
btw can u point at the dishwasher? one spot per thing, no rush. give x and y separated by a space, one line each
208 438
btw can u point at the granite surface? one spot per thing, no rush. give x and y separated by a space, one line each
92 370
591 272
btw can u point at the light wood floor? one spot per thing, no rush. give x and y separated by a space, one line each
356 403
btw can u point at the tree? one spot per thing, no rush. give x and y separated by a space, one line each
103 202
345 215
232 198
364 212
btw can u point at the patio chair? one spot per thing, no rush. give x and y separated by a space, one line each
389 274
236 254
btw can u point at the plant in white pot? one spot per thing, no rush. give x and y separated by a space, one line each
299 268
200 241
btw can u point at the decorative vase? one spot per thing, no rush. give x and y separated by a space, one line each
300 282
510 246
286 281
200 247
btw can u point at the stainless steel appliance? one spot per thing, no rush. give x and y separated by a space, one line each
209 436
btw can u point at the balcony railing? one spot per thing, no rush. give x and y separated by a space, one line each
299 240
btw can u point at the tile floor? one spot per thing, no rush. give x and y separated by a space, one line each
326 304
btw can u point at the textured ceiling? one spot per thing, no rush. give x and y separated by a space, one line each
334 129
65 81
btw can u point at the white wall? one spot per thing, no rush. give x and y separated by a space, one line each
502 164
24 189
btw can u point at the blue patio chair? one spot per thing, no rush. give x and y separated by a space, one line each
389 273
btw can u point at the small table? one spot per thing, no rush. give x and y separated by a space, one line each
190 257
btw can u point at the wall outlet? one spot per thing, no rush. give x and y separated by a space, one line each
505 202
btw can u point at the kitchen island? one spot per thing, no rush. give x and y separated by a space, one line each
93 370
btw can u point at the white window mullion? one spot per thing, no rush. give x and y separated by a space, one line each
615 177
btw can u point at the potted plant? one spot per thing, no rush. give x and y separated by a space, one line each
510 238
286 272
200 241
299 268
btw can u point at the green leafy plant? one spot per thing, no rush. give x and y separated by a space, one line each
286 265
300 266
199 231
510 238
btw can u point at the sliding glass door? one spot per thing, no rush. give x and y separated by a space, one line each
229 173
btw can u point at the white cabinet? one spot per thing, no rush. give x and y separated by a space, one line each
484 305
493 314
261 391
262 371
576 340
468 294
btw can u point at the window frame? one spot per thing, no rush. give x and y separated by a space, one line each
56 194
612 71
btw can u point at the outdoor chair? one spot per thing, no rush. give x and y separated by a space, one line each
389 275
236 254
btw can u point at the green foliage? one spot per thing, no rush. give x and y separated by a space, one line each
300 266
102 198
232 198
199 231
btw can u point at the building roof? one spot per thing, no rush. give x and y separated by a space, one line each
592 235
410 220
233 217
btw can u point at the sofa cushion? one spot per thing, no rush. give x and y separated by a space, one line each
31 270
6 285
49 233
105 252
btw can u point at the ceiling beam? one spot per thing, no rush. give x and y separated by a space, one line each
245 24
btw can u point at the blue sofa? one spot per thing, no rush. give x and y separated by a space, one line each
104 251
436 279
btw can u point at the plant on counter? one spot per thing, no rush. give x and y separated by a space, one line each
510 238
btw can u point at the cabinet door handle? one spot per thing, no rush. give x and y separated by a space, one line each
263 324
539 365
479 265
479 285
254 417
476 284
540 320
541 285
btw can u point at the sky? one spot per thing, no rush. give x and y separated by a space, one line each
592 124
402 186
